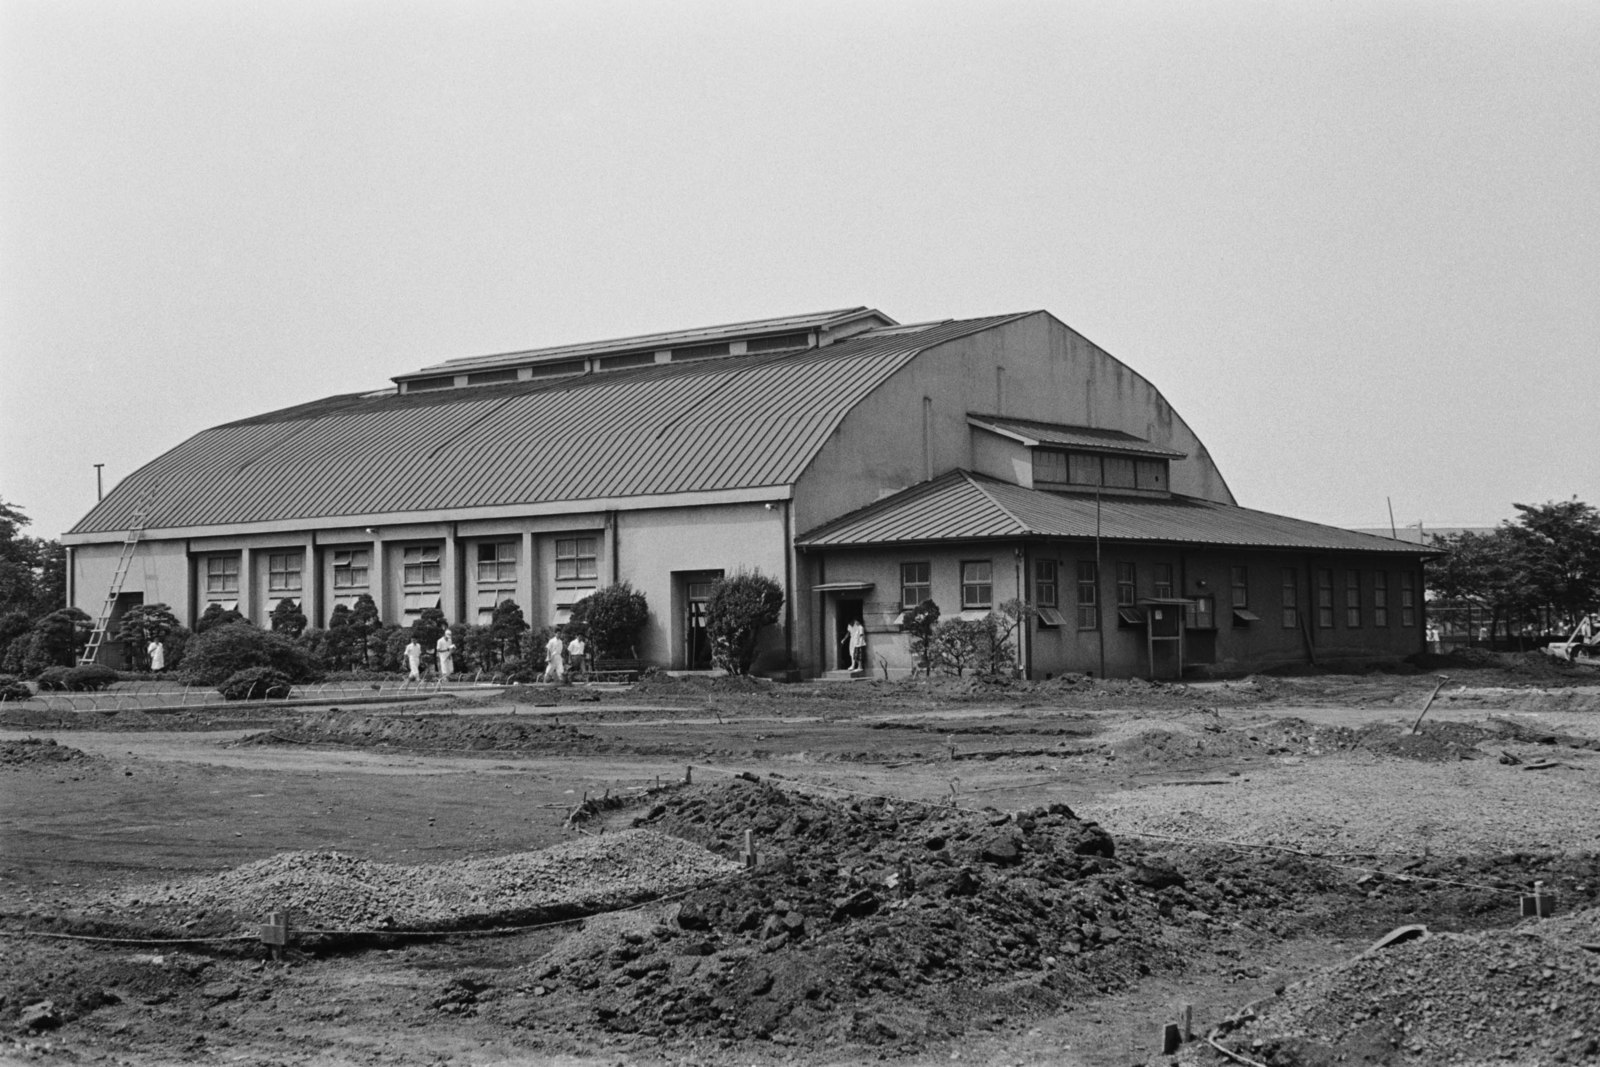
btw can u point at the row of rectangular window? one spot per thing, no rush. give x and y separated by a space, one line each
1098 469
977 592
576 559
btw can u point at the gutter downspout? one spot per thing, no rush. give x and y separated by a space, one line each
789 663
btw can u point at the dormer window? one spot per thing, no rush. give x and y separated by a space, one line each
1073 469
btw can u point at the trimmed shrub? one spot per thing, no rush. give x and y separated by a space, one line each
611 619
90 678
53 679
222 651
14 688
738 609
256 683
215 615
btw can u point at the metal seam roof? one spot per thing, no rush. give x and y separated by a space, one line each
727 423
963 506
1048 433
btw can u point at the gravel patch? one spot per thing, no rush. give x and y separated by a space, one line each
327 889
1357 803
1526 995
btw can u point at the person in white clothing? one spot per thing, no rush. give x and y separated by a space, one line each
554 669
577 655
444 648
157 653
413 658
856 637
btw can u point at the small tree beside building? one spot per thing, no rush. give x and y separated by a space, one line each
739 608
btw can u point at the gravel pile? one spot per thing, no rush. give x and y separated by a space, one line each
1355 803
1528 995
332 891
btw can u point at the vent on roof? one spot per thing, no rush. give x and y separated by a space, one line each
417 385
778 342
556 370
490 377
632 359
679 355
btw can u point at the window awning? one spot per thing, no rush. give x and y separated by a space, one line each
1177 600
842 587
1131 616
1051 617
1243 615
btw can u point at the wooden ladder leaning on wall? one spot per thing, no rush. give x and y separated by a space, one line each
97 638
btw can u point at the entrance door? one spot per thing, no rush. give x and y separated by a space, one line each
848 611
697 642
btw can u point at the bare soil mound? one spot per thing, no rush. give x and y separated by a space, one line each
876 922
33 751
1525 995
434 733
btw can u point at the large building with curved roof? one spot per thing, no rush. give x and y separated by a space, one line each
863 463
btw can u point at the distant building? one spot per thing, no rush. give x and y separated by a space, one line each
865 464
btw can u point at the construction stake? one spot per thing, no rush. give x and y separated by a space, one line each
1442 680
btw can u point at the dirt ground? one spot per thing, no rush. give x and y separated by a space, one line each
1027 873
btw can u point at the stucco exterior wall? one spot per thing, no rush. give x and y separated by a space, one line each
914 426
1232 645
655 548
159 571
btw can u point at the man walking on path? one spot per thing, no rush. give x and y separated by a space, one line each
444 648
554 670
413 658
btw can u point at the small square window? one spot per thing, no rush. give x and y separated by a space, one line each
1046 586
283 572
1088 595
222 574
421 565
577 558
1201 613
977 584
497 562
1163 581
1127 585
350 569
916 584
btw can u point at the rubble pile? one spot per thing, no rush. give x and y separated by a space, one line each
869 920
338 892
1526 995
33 750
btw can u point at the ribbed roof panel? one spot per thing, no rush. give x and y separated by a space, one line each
962 506
734 422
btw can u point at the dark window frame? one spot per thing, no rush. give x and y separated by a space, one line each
909 582
971 584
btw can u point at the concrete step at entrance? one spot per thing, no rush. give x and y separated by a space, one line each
844 676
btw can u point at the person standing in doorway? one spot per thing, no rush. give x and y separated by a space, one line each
554 669
445 649
413 658
856 637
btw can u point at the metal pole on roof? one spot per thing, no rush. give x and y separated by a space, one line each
1392 531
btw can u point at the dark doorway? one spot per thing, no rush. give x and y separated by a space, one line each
116 654
696 641
848 611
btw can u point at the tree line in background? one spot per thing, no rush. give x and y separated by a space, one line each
1532 577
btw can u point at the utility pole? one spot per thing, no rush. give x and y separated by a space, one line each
99 487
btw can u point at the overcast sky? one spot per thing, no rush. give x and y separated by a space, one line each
1356 245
